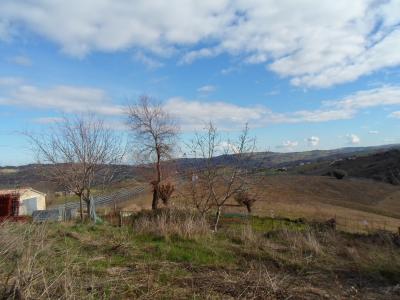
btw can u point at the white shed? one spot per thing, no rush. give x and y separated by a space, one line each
29 200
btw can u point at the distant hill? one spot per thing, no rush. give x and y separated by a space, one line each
316 162
32 175
379 166
293 159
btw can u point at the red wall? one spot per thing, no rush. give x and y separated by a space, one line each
9 205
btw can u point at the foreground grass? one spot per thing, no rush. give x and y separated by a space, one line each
253 259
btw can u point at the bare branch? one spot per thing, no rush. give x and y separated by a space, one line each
80 151
155 133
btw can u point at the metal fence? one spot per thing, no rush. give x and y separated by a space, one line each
106 200
67 210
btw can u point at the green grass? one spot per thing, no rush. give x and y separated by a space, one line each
263 224
103 261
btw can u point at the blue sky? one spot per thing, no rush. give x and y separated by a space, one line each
304 74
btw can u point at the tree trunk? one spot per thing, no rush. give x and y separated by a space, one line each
217 217
81 207
88 207
158 166
248 206
154 204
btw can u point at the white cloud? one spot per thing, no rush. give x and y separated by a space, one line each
206 89
63 98
353 139
390 140
273 93
10 81
21 60
229 70
395 114
288 145
313 141
382 96
373 132
193 114
84 26
47 120
315 44
149 62
191 56
5 30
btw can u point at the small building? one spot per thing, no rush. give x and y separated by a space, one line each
29 200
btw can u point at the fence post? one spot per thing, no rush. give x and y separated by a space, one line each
120 219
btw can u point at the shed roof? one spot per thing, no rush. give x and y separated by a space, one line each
20 191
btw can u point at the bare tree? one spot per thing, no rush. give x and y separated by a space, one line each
79 152
155 133
221 170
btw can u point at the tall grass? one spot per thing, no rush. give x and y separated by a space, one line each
71 261
23 273
171 222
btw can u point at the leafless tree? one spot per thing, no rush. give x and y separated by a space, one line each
155 134
79 152
221 170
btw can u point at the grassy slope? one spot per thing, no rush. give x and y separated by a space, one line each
351 201
86 261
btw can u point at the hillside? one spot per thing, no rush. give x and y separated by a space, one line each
29 175
358 202
350 201
381 166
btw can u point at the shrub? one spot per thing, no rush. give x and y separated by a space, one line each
339 174
165 191
245 199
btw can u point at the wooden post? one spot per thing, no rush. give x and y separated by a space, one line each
120 219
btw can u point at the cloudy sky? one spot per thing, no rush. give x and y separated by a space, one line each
304 74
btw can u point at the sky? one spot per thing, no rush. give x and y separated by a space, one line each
303 74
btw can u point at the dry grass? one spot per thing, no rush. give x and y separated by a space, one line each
170 254
357 204
23 274
8 171
171 222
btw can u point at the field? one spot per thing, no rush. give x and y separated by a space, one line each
358 205
283 250
146 259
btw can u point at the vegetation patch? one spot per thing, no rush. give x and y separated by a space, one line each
246 258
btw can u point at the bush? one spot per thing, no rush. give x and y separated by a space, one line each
165 191
245 199
339 174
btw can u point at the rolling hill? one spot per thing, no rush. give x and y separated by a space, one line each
382 166
316 162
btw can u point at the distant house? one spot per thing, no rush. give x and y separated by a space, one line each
29 200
